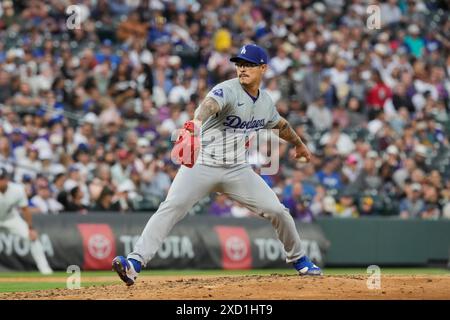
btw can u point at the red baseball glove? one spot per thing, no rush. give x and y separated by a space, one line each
186 148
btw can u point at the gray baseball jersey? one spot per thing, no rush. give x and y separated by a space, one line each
222 166
13 198
225 134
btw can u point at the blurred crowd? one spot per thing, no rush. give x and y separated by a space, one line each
87 110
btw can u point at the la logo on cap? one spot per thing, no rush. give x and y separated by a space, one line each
243 51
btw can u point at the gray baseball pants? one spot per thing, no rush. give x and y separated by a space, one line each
240 183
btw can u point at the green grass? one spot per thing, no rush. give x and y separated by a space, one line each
189 272
52 284
32 286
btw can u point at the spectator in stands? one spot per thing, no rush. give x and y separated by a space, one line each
280 62
303 212
404 172
125 196
181 91
29 165
351 169
102 178
420 157
412 206
292 197
221 206
58 184
431 197
328 206
44 200
84 99
156 181
431 212
346 208
48 166
414 41
377 95
310 91
390 164
435 179
369 178
105 201
367 207
321 117
336 138
121 170
74 201
329 176
132 28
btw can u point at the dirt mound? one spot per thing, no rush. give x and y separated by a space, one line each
267 287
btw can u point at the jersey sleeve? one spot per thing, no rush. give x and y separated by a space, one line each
22 198
273 118
223 95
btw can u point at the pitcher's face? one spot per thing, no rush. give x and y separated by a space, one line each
250 73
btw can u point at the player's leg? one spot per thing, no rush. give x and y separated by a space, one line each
247 187
188 187
16 225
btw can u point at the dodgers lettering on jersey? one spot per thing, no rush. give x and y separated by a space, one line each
236 122
224 135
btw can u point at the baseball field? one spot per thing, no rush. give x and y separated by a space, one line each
275 284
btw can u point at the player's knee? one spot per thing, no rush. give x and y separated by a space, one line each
275 209
177 205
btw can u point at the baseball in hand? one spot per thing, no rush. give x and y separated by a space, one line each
302 159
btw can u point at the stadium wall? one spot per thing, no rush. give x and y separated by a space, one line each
386 241
91 242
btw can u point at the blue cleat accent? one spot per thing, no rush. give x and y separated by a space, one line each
305 267
127 269
136 264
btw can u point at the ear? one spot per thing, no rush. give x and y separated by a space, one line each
264 68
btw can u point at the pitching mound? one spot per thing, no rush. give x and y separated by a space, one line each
274 286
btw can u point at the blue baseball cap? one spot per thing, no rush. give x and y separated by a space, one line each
251 53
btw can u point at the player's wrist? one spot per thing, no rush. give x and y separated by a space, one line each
299 143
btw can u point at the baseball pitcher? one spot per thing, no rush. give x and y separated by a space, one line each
229 114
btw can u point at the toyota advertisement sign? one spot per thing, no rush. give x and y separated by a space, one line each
202 242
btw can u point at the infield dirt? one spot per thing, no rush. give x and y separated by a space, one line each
271 287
